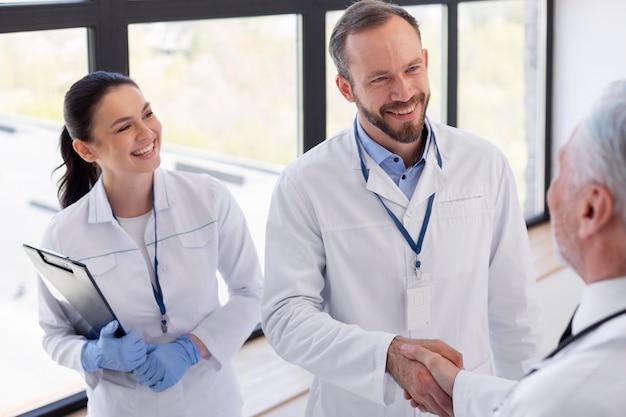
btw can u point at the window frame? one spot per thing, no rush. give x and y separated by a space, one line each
107 24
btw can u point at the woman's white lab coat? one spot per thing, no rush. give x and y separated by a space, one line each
337 269
201 230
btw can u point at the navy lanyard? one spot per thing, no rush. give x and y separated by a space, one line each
415 246
566 339
570 338
156 288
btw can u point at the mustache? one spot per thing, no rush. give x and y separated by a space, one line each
399 105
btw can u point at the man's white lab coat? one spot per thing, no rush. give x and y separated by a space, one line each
337 269
585 378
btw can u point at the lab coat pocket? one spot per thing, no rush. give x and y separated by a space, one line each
101 265
124 379
336 401
100 402
199 237
465 205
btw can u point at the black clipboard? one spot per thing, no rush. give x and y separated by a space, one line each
70 281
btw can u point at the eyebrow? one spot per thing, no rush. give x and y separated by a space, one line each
126 118
378 73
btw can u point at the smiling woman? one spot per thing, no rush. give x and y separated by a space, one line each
155 240
107 120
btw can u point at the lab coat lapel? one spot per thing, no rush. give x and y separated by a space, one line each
99 207
431 180
164 196
378 182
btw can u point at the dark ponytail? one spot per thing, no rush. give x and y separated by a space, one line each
79 107
79 175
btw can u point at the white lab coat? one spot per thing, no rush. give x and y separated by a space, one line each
584 379
201 231
336 267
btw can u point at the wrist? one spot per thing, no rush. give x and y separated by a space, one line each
394 354
91 356
190 348
204 352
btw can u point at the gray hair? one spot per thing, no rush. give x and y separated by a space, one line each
600 145
360 16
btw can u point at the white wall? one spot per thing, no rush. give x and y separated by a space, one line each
589 53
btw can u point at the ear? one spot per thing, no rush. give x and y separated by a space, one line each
597 210
425 53
344 88
83 149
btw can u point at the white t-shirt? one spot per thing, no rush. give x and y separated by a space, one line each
136 228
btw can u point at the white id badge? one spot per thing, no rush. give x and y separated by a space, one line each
418 303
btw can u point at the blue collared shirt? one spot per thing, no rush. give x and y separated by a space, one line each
405 178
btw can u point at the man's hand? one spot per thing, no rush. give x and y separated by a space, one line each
416 380
442 369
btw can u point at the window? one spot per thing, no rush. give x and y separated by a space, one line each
228 86
501 92
24 1
226 92
30 124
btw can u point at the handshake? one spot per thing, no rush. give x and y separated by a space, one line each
426 370
158 366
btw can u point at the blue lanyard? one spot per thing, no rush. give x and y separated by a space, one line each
156 288
415 246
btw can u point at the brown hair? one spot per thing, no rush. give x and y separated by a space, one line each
79 106
360 16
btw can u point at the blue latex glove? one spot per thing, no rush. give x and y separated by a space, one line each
167 363
111 352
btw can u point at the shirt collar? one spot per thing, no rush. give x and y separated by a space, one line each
379 153
100 209
599 300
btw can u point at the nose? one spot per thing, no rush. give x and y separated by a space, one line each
145 132
402 90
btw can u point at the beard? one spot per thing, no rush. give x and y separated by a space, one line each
567 246
409 132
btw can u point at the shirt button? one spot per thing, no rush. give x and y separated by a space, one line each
403 176
396 159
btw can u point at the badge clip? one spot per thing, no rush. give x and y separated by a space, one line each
418 269
164 320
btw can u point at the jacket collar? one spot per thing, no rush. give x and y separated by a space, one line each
432 178
100 210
